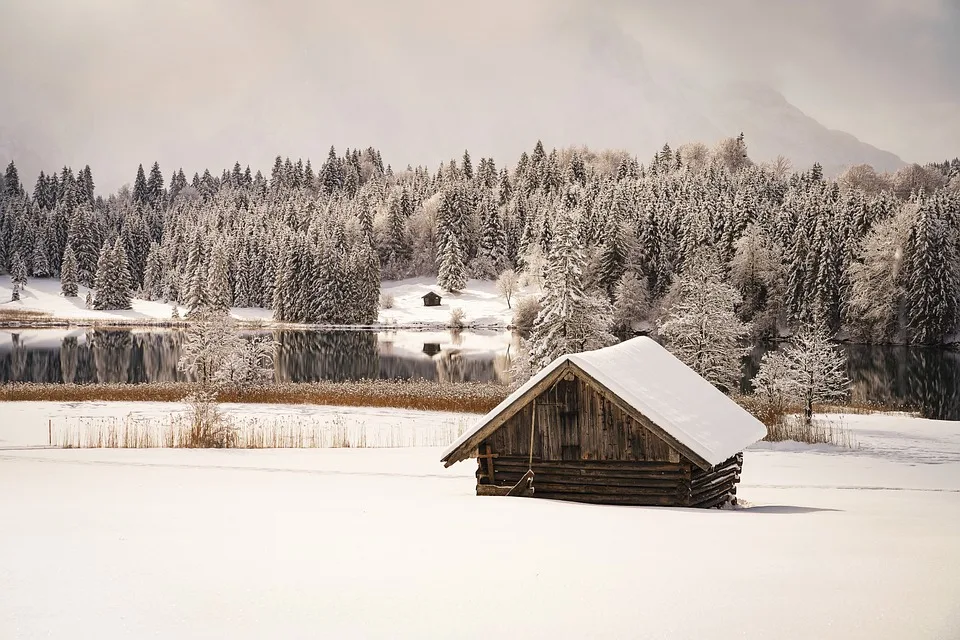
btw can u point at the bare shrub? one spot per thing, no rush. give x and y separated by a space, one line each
386 301
507 285
207 426
457 316
525 313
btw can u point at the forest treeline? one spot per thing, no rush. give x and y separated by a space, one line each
872 257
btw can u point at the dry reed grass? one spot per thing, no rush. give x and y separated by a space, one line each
785 422
23 315
247 432
461 397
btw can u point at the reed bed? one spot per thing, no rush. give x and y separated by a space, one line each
460 397
249 432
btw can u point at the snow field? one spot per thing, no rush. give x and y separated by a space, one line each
386 543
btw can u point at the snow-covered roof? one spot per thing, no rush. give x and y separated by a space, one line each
656 384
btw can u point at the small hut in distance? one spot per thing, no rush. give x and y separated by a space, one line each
629 424
431 299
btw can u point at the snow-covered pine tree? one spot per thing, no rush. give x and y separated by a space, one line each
612 258
68 274
140 194
103 282
631 302
932 278
18 269
195 287
569 321
218 279
39 264
242 278
154 187
452 275
756 270
153 274
493 239
123 283
700 325
82 237
877 309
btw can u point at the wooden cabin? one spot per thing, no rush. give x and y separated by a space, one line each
431 299
629 424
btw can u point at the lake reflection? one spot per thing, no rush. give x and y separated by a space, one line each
923 379
132 356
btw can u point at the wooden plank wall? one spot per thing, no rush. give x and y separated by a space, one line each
574 422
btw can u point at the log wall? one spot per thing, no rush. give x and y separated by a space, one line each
628 483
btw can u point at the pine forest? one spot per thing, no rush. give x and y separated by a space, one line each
866 256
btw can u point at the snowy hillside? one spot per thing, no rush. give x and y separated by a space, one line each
483 307
386 543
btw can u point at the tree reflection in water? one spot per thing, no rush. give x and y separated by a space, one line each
924 379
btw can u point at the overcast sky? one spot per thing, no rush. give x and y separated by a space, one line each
199 83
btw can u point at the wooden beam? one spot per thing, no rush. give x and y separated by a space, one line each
642 419
470 444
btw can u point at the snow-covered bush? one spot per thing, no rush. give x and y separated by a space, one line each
211 339
386 301
249 364
810 370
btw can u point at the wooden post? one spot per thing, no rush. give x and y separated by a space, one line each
489 455
50 431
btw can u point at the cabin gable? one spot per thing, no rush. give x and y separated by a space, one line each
573 419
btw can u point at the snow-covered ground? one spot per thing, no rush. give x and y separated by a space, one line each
386 543
43 295
482 305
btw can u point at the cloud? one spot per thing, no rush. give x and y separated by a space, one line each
204 83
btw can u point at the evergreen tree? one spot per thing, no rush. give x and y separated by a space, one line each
220 294
332 174
11 181
631 302
87 187
18 270
68 273
153 274
197 299
141 195
700 325
453 271
40 265
154 186
112 282
932 280
569 321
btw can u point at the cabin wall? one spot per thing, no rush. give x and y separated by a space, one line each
575 422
